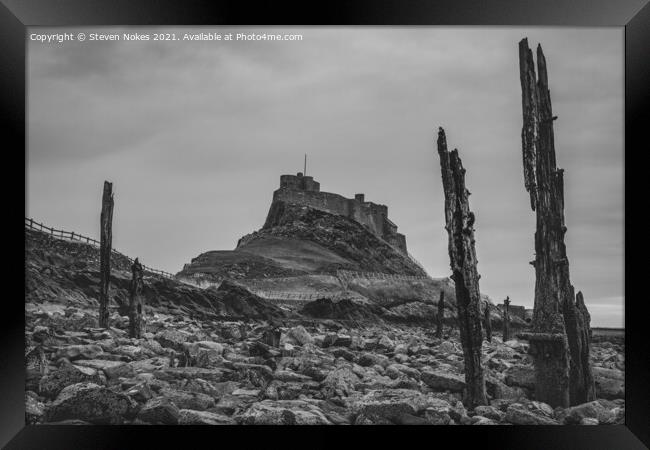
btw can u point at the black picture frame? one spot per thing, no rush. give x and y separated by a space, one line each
634 15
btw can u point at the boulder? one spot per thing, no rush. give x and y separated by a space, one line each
443 380
591 410
53 382
367 359
190 373
159 411
610 383
255 374
191 417
389 405
518 414
173 339
34 409
385 343
301 335
91 403
489 412
283 412
73 352
188 400
340 382
112 369
438 412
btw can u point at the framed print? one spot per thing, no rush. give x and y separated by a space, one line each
295 220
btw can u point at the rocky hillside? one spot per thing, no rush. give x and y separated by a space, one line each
301 240
66 274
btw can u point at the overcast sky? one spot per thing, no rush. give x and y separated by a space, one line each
195 136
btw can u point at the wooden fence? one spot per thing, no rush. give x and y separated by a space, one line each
71 235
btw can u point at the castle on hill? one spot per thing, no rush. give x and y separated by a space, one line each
303 190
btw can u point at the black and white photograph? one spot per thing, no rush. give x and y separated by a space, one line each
341 225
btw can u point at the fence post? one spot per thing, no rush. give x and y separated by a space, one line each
105 252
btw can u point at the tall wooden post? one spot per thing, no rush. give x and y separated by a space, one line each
441 314
106 239
488 322
506 319
557 340
462 255
136 302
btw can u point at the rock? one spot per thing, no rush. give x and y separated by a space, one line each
53 383
73 352
300 335
340 382
191 417
189 373
518 414
150 364
203 356
289 375
131 351
438 413
386 343
610 383
388 406
588 421
520 347
140 392
400 349
211 345
498 390
441 380
344 353
368 359
342 341
112 369
255 374
283 412
489 412
521 375
480 420
188 400
446 348
34 409
591 410
91 403
173 339
159 411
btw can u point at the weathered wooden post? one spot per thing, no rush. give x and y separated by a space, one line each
136 302
441 314
557 338
506 319
462 255
488 322
106 238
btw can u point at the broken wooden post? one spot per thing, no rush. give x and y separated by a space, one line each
578 320
441 314
487 322
462 255
506 319
557 339
136 302
106 238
